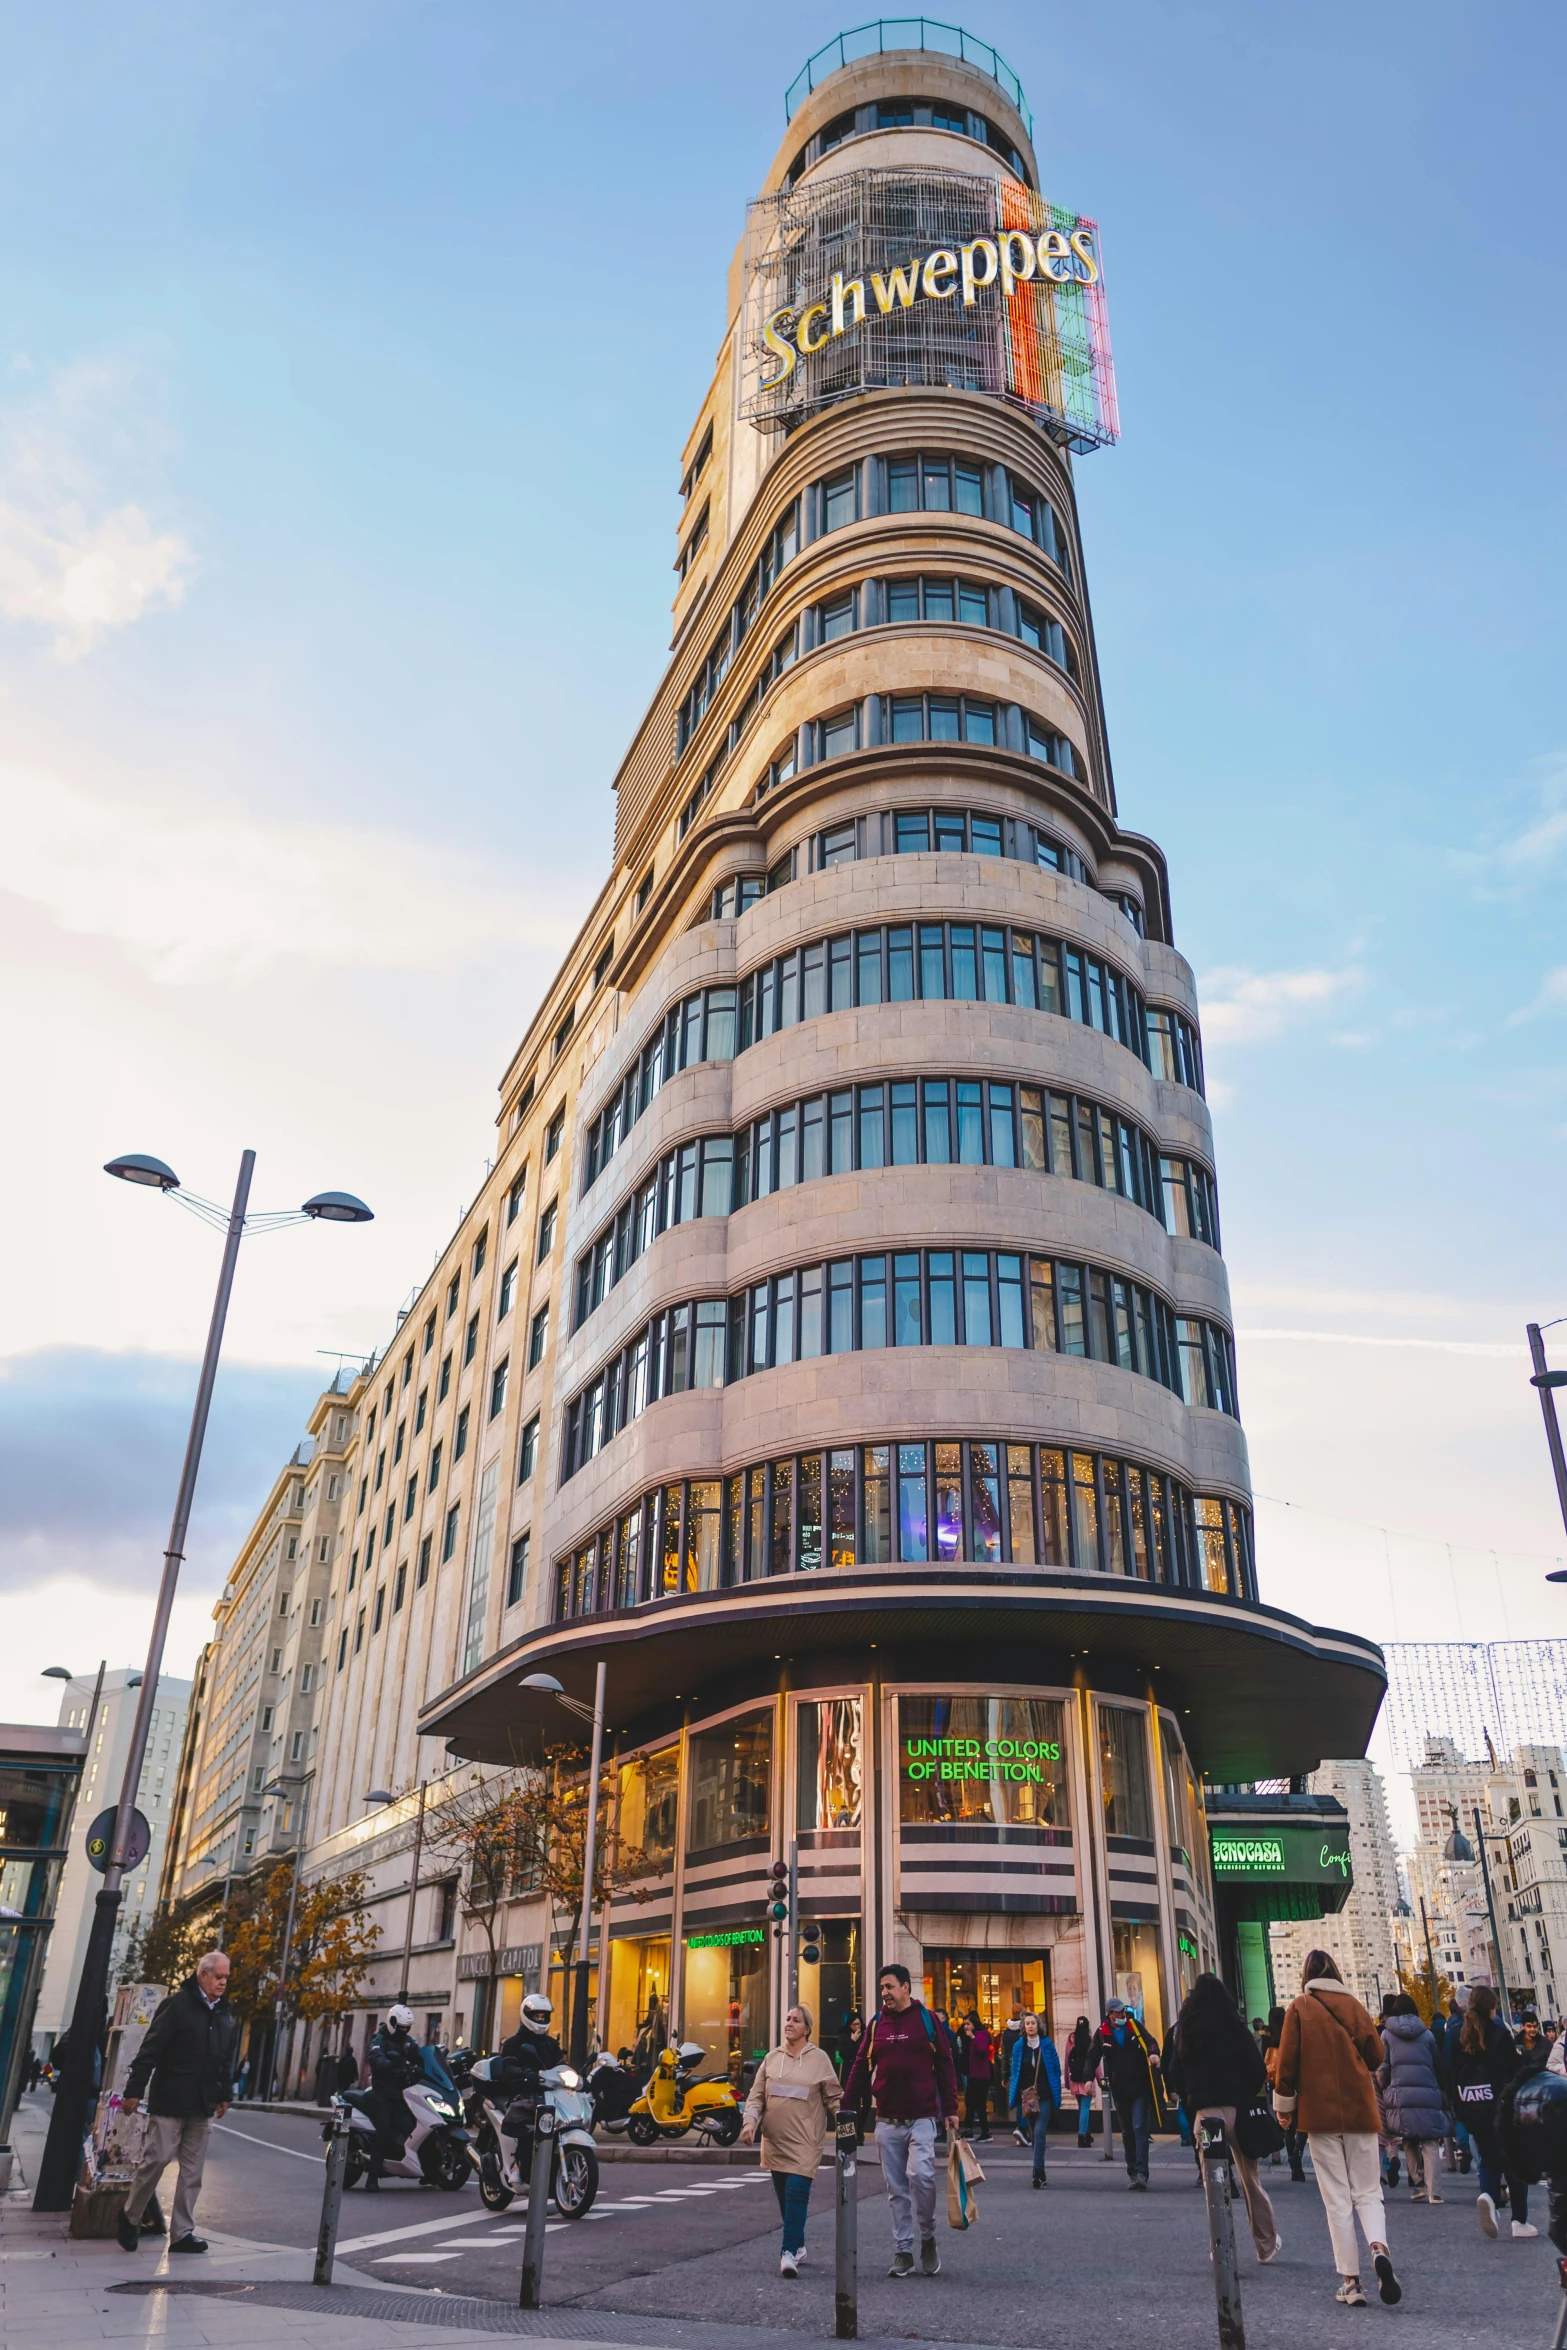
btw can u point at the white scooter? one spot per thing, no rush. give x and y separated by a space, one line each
503 2139
435 2151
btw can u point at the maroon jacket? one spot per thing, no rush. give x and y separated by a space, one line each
909 2065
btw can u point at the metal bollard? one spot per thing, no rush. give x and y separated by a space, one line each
1218 2194
847 2231
1559 2338
1108 2118
332 2196
531 2296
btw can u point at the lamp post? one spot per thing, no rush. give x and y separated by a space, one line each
275 1789
547 1685
68 2122
1459 1849
1425 1928
1547 1383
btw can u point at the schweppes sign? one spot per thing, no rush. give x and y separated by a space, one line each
1009 260
872 280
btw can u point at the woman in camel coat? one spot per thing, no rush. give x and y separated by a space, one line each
1329 2050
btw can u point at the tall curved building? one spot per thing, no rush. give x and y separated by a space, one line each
874 1400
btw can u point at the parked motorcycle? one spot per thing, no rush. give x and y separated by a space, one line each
502 2137
613 2091
436 2150
676 2101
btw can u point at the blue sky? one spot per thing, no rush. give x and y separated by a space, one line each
345 359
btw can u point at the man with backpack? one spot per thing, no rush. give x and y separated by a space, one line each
905 2058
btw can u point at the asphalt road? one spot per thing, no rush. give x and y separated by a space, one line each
1084 2262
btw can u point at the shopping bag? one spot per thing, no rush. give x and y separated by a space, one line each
963 2176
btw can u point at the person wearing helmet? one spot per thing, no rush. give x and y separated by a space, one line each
395 2062
532 2048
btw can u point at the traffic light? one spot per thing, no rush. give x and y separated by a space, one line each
780 1895
810 1943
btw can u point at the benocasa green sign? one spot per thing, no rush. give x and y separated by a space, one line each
1295 1852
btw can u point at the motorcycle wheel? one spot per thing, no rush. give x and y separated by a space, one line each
576 2181
726 2129
493 2190
445 2163
643 2130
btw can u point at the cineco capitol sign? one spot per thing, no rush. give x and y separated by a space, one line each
1010 259
1019 1761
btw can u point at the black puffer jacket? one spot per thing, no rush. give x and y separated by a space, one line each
189 2054
1222 2066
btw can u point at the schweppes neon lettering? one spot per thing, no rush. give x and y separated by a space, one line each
1008 260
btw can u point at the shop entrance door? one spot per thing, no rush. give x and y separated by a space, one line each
993 1983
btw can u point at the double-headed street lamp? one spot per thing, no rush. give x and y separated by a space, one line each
1546 1382
68 2122
1461 1852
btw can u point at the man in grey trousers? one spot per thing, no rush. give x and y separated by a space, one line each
189 2056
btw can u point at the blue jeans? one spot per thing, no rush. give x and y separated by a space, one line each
1085 2115
1040 2126
794 2201
1136 2129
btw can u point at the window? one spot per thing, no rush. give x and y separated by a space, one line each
429 1335
317 1608
470 1344
397 1446
267 1713
935 485
420 1410
359 1631
524 1102
562 1033
453 1293
693 546
380 1609
498 1381
554 1135
1045 743
840 499
515 1197
508 1291
399 1586
839 734
736 897
527 1459
449 1537
282 1603
517 1571
941 718
443 1389
546 1234
342 1648
839 616
258 1778
411 1497
460 1446
644 890
538 1334
296 1749
422 1573
606 956
480 1247
698 463
276 1666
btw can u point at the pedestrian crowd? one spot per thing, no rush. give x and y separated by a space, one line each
1366 2098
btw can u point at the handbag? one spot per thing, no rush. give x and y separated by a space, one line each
1028 2105
963 2176
1257 2133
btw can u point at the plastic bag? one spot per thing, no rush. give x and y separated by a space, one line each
963 2176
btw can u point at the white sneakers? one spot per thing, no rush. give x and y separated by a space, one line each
788 2264
801 2255
1521 2227
1487 2211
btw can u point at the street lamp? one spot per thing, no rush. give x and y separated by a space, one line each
276 1788
1459 1850
1547 1383
68 2122
546 1685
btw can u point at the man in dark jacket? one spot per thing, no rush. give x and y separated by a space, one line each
188 2054
395 2064
1129 2060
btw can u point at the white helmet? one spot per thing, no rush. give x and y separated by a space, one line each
401 2018
537 2012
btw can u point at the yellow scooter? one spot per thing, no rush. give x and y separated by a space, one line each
674 2102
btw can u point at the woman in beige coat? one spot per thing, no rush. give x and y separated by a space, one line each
1329 2049
793 2098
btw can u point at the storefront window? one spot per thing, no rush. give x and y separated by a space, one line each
649 1803
1123 1764
639 1995
731 1780
828 1782
726 1999
995 1759
1138 1974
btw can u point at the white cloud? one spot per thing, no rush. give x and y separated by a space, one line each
1507 867
1551 996
1242 1007
202 893
77 557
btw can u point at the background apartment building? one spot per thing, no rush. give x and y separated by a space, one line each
1360 1935
155 1799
